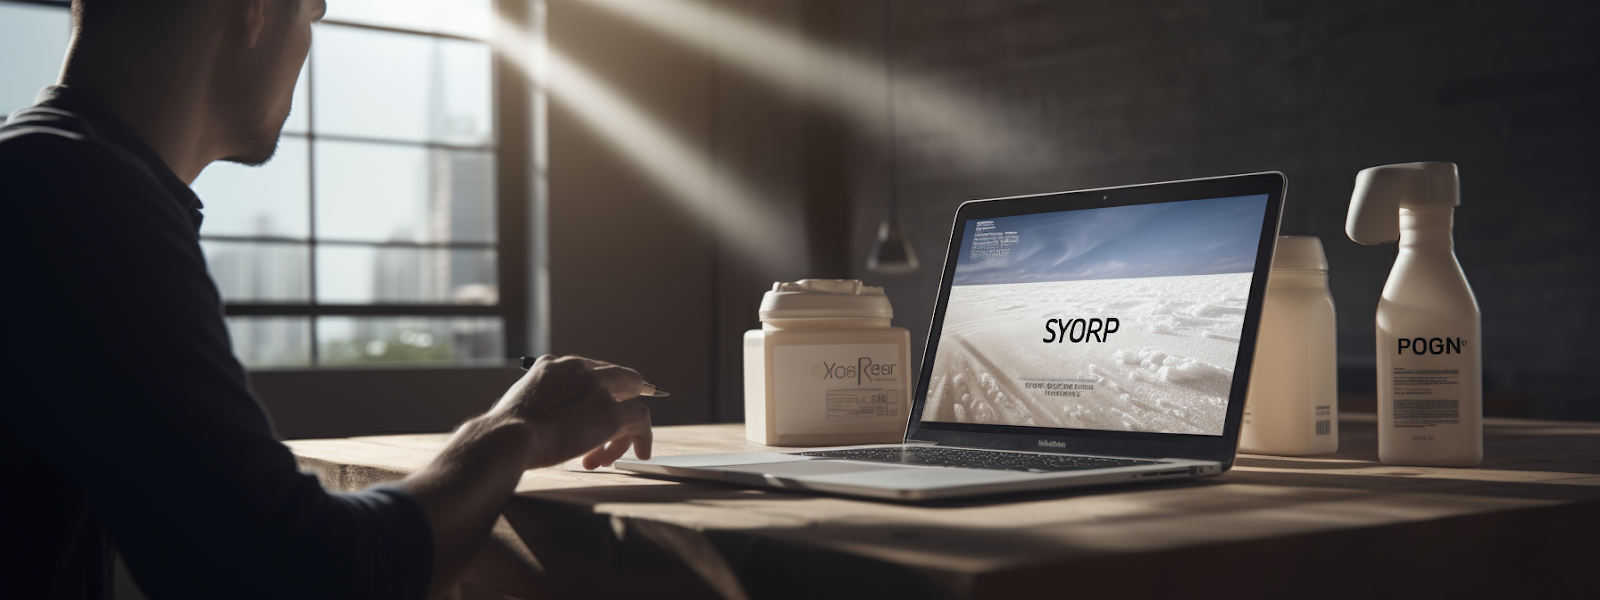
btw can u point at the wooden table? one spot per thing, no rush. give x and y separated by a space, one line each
1524 524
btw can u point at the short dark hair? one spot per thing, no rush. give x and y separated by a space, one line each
148 15
140 15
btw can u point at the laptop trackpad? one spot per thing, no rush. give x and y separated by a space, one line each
808 468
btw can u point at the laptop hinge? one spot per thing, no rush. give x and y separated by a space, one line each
921 443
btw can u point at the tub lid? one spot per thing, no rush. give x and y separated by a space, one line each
1299 253
825 299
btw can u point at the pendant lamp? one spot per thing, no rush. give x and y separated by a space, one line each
892 253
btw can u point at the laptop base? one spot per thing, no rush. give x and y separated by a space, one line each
902 482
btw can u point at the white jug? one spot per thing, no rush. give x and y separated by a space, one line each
1292 408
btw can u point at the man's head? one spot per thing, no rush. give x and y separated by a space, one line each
232 63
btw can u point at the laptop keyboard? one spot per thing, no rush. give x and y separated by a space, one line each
978 459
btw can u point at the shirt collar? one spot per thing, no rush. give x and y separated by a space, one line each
110 128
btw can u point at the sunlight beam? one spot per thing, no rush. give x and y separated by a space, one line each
971 133
739 215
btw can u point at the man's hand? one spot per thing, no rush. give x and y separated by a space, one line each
562 408
575 405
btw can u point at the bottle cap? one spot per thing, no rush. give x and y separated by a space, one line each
1382 191
1299 253
825 299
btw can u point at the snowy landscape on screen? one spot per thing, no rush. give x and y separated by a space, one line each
1174 275
1168 367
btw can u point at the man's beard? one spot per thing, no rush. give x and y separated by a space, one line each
258 147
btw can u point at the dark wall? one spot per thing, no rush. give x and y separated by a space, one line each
641 272
1049 95
1129 92
630 268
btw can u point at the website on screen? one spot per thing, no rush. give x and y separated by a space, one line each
1125 318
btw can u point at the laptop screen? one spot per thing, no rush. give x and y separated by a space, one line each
1125 318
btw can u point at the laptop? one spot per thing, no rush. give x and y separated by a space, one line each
1079 338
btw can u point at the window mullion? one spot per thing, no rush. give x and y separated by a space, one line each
353 331
311 198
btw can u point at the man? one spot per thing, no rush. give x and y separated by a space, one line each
127 423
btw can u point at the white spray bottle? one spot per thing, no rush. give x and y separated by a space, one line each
1430 382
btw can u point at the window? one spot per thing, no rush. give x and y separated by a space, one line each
33 39
381 232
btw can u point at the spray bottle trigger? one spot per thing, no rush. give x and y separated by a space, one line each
1382 191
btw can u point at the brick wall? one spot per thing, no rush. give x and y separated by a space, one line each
1005 97
1086 94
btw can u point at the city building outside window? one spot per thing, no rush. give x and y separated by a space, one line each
374 237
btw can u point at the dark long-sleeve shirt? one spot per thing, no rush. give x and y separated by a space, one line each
126 421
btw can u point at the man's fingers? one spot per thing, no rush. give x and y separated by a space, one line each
623 382
633 431
583 402
606 454
609 452
636 423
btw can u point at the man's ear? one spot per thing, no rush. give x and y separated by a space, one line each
253 19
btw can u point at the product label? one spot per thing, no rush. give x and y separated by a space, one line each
1426 397
839 388
1324 419
1420 346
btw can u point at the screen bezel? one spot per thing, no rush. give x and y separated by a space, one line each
1220 448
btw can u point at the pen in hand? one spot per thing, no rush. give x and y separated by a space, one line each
646 390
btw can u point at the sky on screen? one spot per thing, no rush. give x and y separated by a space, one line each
1194 237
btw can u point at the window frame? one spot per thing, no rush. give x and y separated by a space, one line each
516 142
511 142
62 4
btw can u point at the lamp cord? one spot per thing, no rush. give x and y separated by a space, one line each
888 106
